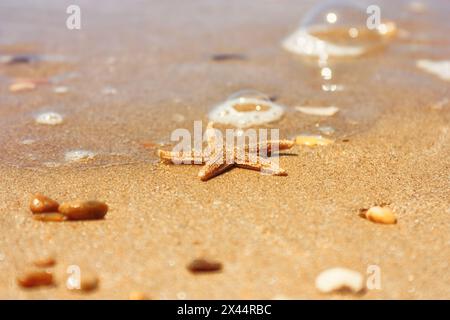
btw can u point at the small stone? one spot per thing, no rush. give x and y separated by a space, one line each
379 214
89 281
22 86
41 204
85 280
33 279
204 265
49 118
310 140
49 217
45 262
137 295
83 210
341 280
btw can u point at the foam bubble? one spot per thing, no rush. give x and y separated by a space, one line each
245 109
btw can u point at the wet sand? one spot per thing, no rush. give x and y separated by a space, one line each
273 235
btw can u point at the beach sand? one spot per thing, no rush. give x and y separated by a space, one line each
273 235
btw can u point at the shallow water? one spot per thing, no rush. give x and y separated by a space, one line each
139 69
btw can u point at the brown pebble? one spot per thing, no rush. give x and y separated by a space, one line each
137 295
204 265
49 217
45 262
40 204
33 279
89 282
379 214
228 56
83 210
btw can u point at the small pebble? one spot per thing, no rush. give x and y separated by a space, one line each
49 118
87 281
378 214
49 217
204 265
340 279
45 262
33 279
228 56
137 295
308 140
83 210
22 86
41 204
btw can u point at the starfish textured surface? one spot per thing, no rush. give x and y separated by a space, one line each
218 157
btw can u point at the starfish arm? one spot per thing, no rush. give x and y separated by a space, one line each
265 166
180 157
210 170
269 145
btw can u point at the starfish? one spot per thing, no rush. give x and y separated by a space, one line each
218 157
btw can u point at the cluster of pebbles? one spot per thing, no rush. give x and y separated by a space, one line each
40 274
47 209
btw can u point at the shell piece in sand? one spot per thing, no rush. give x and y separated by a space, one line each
339 279
438 68
318 111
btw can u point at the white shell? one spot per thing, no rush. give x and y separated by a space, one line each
318 111
336 279
78 155
225 113
437 68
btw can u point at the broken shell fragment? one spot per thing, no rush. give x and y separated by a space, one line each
440 69
339 279
22 86
378 214
41 204
33 279
83 210
204 265
318 111
49 118
311 140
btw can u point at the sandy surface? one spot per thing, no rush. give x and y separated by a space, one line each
274 235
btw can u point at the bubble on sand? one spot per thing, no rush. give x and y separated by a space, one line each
79 155
245 109
438 68
337 29
49 118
